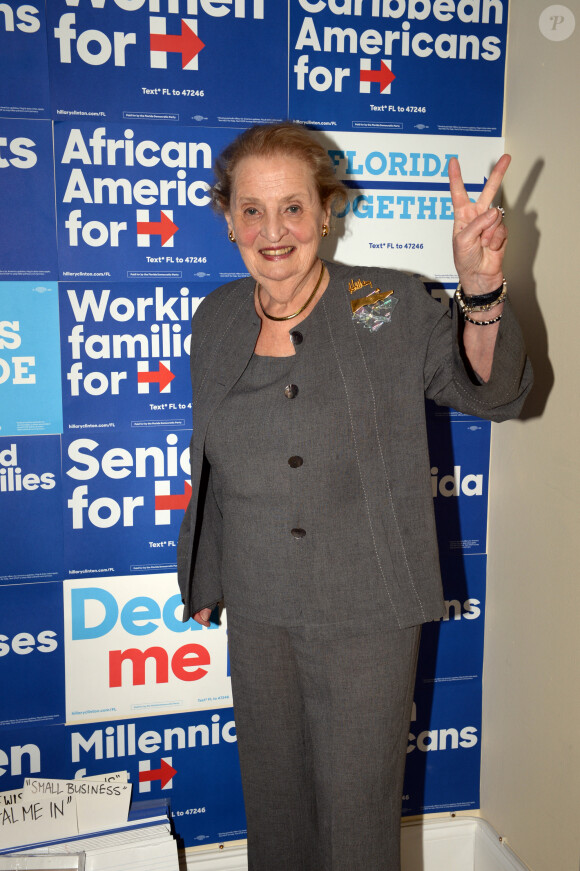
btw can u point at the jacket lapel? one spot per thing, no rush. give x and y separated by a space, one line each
233 342
346 339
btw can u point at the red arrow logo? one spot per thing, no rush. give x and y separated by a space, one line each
174 500
163 375
164 228
383 76
187 44
164 774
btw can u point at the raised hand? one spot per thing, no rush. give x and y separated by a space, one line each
479 235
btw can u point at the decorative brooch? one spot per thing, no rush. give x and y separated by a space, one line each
374 310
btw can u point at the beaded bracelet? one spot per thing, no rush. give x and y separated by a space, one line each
483 323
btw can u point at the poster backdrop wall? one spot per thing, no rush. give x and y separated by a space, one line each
111 115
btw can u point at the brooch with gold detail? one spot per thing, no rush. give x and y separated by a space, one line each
358 284
374 310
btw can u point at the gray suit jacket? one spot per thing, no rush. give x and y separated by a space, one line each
385 376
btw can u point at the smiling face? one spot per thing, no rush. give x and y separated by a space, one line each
277 217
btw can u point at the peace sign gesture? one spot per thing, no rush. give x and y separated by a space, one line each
479 235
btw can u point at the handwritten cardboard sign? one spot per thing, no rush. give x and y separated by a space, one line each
122 776
35 819
100 804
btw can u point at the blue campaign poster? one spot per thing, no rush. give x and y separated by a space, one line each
124 498
190 759
31 509
30 394
39 749
459 451
24 89
31 655
443 754
392 66
133 204
27 214
189 62
444 751
452 648
125 354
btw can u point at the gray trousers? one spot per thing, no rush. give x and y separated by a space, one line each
322 717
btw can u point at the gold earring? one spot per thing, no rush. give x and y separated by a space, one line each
231 236
324 230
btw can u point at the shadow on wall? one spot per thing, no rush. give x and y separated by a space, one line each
524 239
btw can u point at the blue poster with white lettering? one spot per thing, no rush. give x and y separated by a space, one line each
24 91
190 759
444 750
27 213
459 452
124 497
30 394
133 203
31 655
452 648
39 749
443 755
125 354
189 62
31 509
392 66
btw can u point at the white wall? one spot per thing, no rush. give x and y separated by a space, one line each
531 758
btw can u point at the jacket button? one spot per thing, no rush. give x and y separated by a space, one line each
290 391
295 462
296 337
298 533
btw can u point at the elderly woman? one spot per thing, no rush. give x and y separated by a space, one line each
312 515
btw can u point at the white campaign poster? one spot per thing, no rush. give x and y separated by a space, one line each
400 213
127 653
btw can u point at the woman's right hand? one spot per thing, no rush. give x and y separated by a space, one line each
202 616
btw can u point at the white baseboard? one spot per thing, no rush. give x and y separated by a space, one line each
453 844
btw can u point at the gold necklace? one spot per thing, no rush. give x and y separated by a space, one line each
300 310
